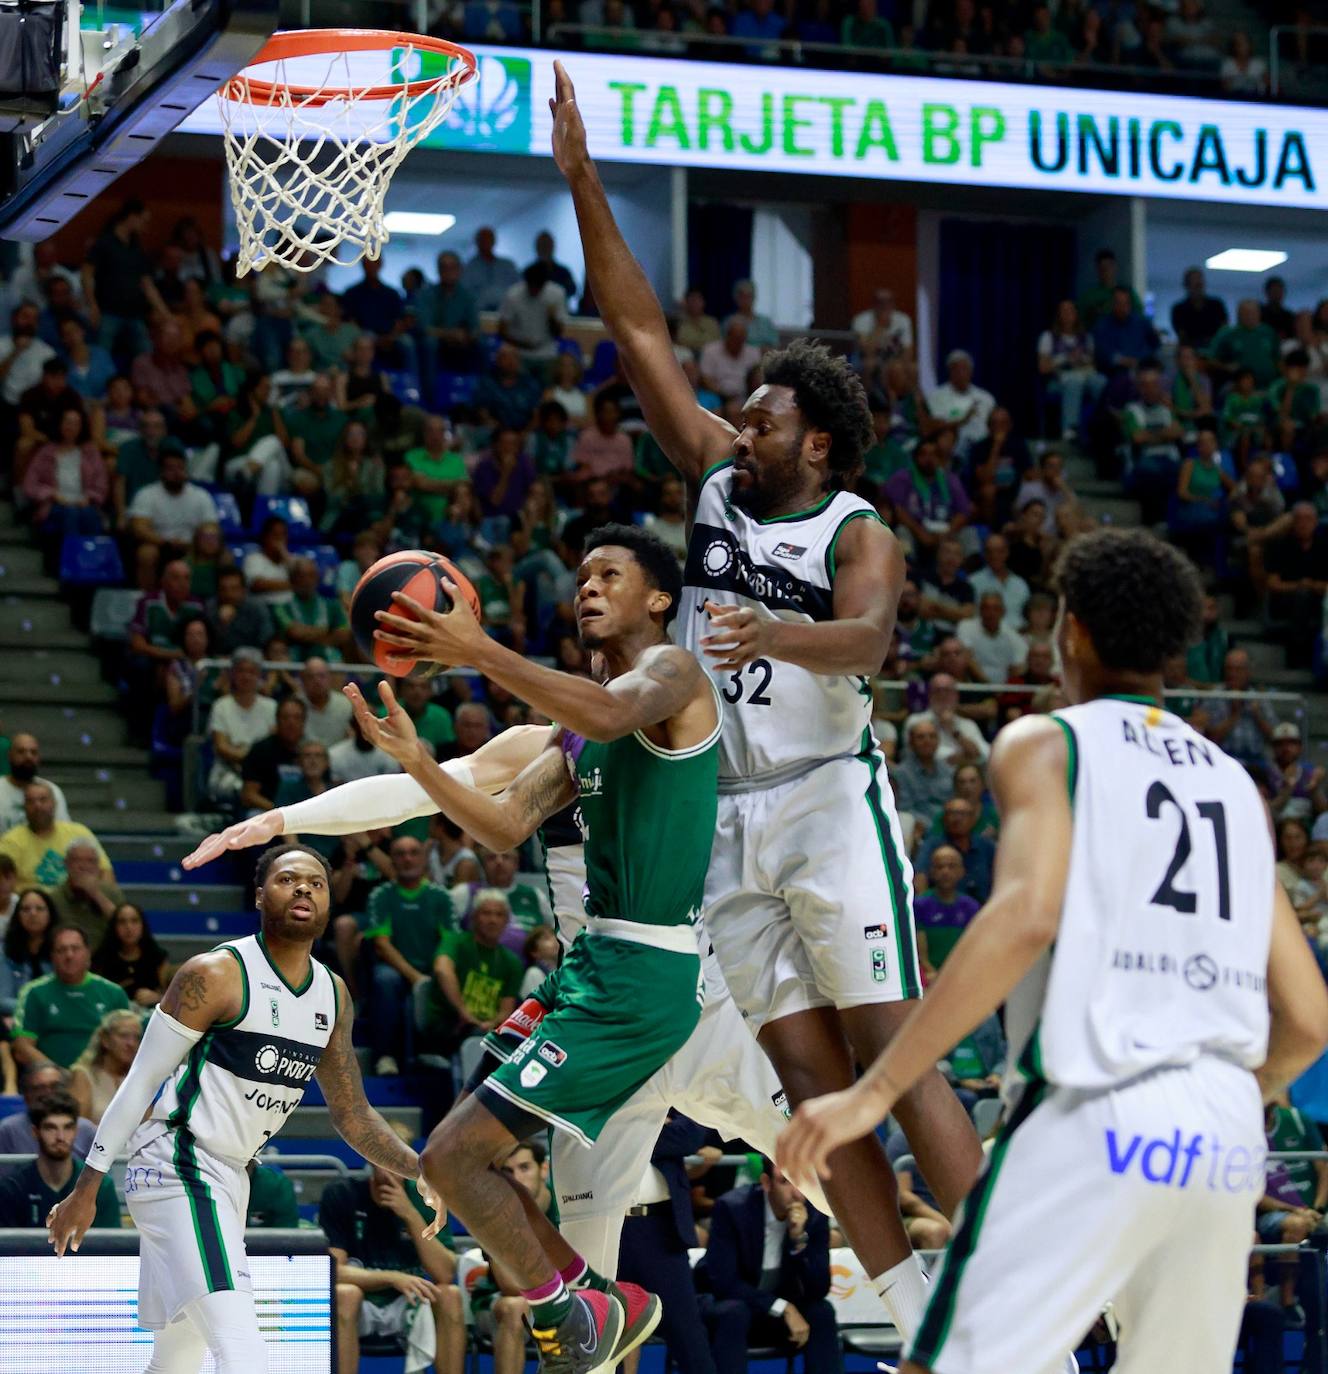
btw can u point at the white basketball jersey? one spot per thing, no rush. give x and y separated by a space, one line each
244 1077
1162 954
778 718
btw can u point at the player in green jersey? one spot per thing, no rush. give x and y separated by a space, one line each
639 752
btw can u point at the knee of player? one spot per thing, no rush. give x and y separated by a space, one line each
349 1300
449 1305
510 1311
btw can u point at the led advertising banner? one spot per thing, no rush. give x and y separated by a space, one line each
80 1313
899 128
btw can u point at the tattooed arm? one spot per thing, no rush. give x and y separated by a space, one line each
207 988
356 1122
542 787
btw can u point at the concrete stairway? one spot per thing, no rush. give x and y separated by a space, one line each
51 683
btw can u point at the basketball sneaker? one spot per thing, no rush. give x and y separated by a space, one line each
643 1311
586 1341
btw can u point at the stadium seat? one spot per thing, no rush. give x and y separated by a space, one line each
328 560
572 346
112 610
294 510
604 362
228 512
404 387
454 389
90 561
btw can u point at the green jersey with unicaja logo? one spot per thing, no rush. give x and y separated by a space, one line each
648 819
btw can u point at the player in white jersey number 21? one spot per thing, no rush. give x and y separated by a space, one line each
1142 944
227 1055
789 599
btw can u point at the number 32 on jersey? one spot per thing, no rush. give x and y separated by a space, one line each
748 684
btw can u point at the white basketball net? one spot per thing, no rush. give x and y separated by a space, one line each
308 175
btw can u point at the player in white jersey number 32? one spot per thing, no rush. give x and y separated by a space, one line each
1143 945
789 599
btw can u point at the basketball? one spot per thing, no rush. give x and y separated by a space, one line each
417 574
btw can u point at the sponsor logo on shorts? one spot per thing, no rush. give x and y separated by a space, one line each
139 1176
791 551
552 1054
524 1020
880 969
587 1196
780 1101
1198 1160
320 1020
880 931
532 1075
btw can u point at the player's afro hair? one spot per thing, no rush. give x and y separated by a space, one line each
831 397
657 560
1139 599
278 851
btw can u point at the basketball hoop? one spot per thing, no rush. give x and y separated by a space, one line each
310 160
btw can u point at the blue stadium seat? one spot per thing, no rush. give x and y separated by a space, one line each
294 510
328 560
228 512
454 389
404 387
573 346
604 362
90 562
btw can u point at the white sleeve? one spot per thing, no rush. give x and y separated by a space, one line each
163 1048
367 804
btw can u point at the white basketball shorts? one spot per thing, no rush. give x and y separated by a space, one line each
189 1208
1142 1196
809 894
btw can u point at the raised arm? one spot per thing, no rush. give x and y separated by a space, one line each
868 570
1004 940
501 823
663 680
690 435
378 802
207 988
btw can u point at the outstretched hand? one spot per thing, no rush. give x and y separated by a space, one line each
260 829
393 733
569 132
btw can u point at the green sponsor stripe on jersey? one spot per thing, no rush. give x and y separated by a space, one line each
939 1316
1071 757
894 872
207 1225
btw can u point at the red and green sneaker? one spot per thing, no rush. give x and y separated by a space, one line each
586 1341
643 1313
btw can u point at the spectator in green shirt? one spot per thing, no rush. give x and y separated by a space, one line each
313 625
526 902
315 426
1293 402
437 467
29 1192
1096 301
478 978
387 1268
1242 419
1247 343
1042 42
57 1014
864 28
331 336
406 919
272 1202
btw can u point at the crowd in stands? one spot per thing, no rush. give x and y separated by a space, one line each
1074 41
246 449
